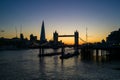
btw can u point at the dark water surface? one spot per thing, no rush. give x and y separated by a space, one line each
26 65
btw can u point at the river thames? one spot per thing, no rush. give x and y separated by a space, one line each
26 65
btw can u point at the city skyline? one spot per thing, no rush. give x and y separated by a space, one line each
66 16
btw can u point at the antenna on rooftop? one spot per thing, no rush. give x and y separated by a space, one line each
16 31
86 35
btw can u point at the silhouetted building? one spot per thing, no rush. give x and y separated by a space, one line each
33 38
21 36
114 37
42 36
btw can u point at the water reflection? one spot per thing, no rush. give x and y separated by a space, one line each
42 68
55 58
98 56
75 68
26 65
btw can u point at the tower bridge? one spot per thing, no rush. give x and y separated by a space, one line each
76 37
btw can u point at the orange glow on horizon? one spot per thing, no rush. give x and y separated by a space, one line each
94 37
66 40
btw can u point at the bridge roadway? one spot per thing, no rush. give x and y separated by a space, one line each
66 35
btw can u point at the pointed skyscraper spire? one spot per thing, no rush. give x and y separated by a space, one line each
42 36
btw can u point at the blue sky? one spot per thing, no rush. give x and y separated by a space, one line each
99 16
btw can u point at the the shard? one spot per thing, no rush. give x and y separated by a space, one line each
42 36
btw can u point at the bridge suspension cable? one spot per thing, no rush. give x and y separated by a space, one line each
82 40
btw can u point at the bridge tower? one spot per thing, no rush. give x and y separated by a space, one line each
76 43
55 37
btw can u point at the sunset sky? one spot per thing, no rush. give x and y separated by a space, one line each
66 16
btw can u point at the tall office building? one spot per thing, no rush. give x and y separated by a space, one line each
42 35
